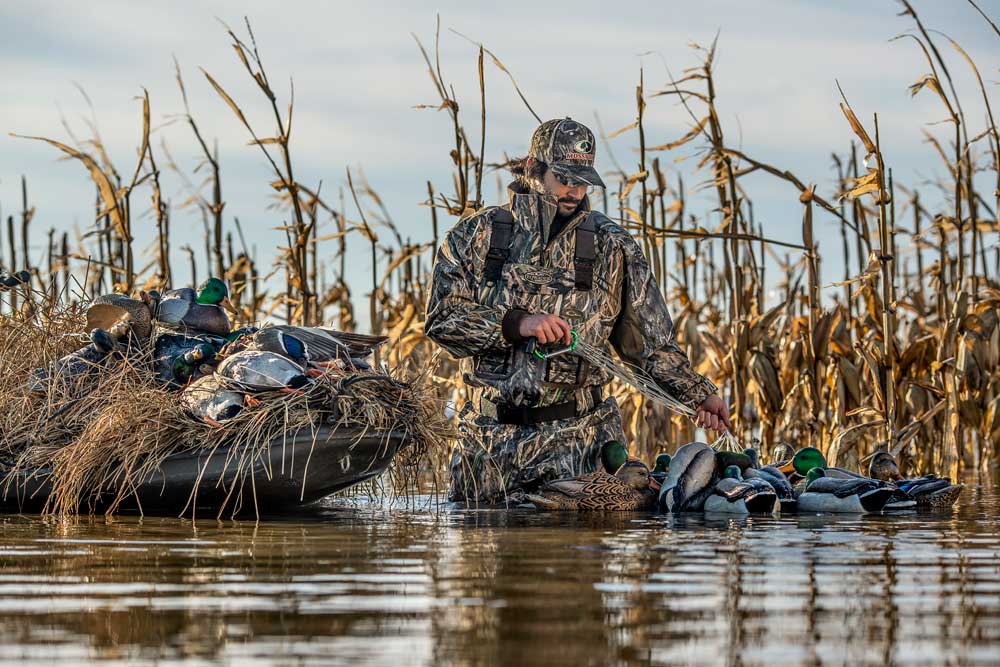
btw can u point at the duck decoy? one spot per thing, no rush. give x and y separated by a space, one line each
201 310
253 370
628 489
208 400
88 359
317 345
169 350
774 477
828 494
107 309
689 481
661 466
735 495
926 491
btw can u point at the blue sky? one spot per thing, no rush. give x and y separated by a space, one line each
358 75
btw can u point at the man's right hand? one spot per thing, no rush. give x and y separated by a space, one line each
546 328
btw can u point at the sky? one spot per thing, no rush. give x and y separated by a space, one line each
358 76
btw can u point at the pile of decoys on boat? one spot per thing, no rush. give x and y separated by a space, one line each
217 370
697 478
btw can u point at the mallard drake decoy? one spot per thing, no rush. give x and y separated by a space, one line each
810 458
827 494
725 459
252 370
208 400
692 471
661 466
169 350
629 489
318 345
201 310
107 309
774 477
187 365
734 495
927 491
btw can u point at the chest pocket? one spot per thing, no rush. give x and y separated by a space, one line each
540 289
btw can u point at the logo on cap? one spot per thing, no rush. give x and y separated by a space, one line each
583 146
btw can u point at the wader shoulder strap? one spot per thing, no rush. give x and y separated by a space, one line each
501 234
585 253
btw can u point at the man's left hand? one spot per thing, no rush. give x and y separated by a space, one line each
713 414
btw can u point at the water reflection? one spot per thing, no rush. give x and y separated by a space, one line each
356 584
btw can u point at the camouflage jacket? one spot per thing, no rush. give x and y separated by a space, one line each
624 307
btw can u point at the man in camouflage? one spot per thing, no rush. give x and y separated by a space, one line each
527 274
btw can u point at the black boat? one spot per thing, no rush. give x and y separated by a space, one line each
294 470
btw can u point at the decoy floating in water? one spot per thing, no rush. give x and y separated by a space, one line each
828 494
689 482
926 491
252 370
629 488
661 466
774 477
734 495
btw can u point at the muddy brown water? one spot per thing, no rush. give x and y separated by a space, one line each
352 583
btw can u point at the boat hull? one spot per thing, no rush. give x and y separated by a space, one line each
296 469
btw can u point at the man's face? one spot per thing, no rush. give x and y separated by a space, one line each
569 197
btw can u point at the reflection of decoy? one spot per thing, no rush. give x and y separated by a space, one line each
207 399
201 310
828 494
630 488
927 491
316 344
84 361
735 495
253 370
689 482
107 309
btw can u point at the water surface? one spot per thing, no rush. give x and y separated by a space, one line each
352 583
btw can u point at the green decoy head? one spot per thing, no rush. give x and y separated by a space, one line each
804 460
212 292
813 475
613 456
751 454
733 472
662 463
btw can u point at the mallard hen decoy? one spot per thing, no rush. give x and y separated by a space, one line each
734 495
628 489
107 309
926 491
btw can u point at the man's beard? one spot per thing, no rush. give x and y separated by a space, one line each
567 202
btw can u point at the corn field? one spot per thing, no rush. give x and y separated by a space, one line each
902 353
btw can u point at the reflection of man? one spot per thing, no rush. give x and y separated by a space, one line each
539 267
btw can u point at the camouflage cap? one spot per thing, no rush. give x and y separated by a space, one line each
568 148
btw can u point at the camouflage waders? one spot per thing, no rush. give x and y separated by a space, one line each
540 420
